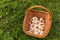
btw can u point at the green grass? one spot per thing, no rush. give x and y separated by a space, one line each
12 13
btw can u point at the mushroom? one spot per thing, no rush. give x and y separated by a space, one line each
36 31
37 26
34 20
41 20
41 32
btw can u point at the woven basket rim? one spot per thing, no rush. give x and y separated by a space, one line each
26 18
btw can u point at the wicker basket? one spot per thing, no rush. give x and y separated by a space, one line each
44 14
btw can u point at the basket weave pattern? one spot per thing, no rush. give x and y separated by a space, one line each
46 15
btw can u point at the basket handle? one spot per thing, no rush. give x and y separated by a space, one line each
39 7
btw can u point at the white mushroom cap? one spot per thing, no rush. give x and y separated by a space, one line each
41 32
40 26
36 31
41 20
31 26
34 19
35 26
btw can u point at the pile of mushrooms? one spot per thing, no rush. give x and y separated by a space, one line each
36 26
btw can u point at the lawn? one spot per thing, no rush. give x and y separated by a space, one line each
12 14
